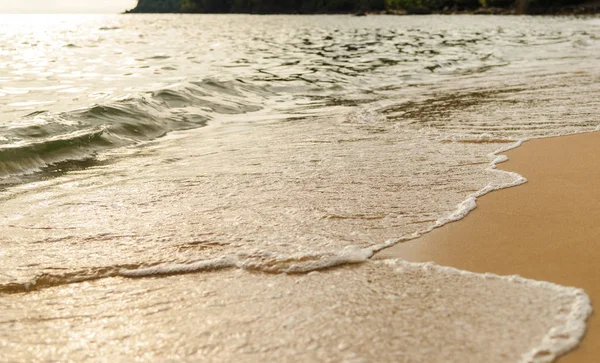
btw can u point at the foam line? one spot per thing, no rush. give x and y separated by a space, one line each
560 339
266 262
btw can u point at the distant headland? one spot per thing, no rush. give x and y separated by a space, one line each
363 7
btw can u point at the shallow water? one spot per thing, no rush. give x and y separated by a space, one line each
136 146
147 75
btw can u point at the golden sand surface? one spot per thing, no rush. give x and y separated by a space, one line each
547 229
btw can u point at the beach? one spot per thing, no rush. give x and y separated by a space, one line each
545 229
216 187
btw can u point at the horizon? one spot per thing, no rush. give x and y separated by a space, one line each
65 6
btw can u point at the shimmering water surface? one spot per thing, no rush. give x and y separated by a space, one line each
136 146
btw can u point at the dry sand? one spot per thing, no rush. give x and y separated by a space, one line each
547 229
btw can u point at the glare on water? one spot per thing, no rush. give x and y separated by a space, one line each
240 149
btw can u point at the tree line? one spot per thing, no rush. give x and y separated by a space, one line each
339 6
283 6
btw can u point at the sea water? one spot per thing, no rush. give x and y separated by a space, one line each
261 148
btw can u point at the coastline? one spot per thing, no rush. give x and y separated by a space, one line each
249 239
419 11
588 8
544 230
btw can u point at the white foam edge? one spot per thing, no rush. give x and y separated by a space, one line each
273 263
350 254
560 339
470 202
557 342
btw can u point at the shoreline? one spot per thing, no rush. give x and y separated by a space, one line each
543 229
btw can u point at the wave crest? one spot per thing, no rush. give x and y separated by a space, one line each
42 140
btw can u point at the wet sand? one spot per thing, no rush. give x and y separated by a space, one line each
546 229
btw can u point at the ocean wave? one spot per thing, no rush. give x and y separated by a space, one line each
42 140
259 261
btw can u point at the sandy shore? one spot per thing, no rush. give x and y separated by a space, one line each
546 229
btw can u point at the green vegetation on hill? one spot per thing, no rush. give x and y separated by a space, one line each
157 6
283 6
352 6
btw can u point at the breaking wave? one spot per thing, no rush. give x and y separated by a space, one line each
43 140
